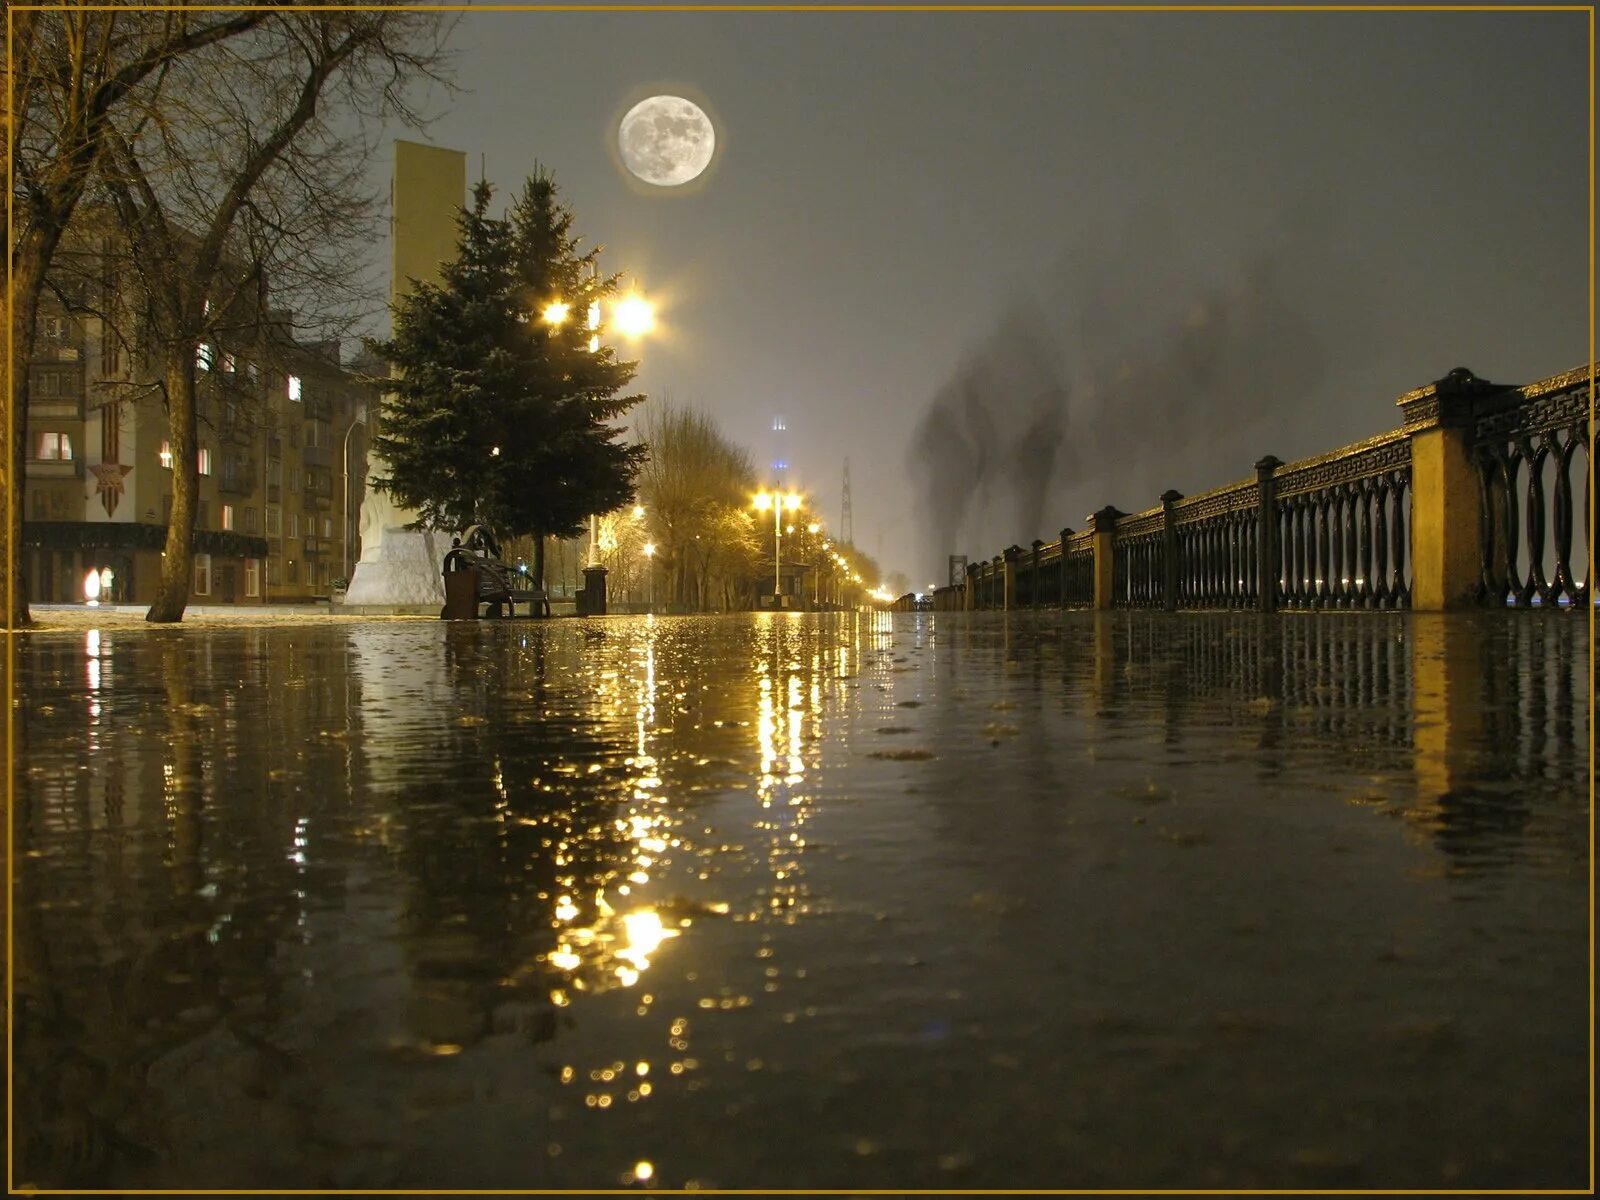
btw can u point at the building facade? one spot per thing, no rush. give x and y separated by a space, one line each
282 457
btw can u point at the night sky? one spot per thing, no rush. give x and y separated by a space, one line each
1163 244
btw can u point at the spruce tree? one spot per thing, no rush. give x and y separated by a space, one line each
439 414
500 414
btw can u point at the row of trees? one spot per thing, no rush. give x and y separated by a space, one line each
228 148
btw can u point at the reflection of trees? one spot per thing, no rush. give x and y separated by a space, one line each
139 933
179 919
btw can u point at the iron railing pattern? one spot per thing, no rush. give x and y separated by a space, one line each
1527 449
1342 528
1215 536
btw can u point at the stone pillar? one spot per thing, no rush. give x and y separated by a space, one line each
1267 565
1033 579
1104 525
399 565
1008 566
1169 550
1446 535
969 592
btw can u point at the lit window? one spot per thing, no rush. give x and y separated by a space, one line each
252 577
166 455
203 460
53 447
227 516
202 574
294 388
204 355
327 527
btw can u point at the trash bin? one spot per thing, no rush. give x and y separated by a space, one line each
461 594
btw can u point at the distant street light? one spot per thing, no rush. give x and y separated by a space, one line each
777 502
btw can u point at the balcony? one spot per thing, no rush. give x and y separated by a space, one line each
54 468
314 547
313 502
317 456
238 483
274 493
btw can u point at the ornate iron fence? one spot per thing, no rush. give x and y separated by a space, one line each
1499 485
1342 527
1526 447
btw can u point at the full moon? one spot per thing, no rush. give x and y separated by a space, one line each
666 140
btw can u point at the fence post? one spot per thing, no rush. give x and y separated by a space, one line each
969 590
1009 568
1267 534
1169 550
1446 537
1104 525
1061 595
1033 576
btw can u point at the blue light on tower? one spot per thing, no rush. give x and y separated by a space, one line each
780 455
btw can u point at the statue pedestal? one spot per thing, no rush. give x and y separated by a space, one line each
405 570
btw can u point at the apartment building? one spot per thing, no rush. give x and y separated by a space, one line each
282 460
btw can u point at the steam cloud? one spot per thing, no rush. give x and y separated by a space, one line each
1176 365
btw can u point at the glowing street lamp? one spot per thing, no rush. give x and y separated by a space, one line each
777 502
634 316
556 313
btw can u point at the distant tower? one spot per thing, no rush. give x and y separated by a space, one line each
847 527
780 451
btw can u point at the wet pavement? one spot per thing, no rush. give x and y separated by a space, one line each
833 901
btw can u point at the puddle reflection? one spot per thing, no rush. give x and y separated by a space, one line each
540 905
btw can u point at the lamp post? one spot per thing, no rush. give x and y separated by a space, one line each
650 576
777 502
633 316
360 419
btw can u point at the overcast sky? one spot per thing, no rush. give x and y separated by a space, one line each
1186 240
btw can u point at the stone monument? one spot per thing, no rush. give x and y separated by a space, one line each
400 566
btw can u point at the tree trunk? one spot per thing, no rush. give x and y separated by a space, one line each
177 559
27 284
538 561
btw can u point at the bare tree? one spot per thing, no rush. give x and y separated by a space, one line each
696 488
242 169
71 69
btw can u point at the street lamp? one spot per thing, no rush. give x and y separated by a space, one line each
360 419
777 502
633 316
